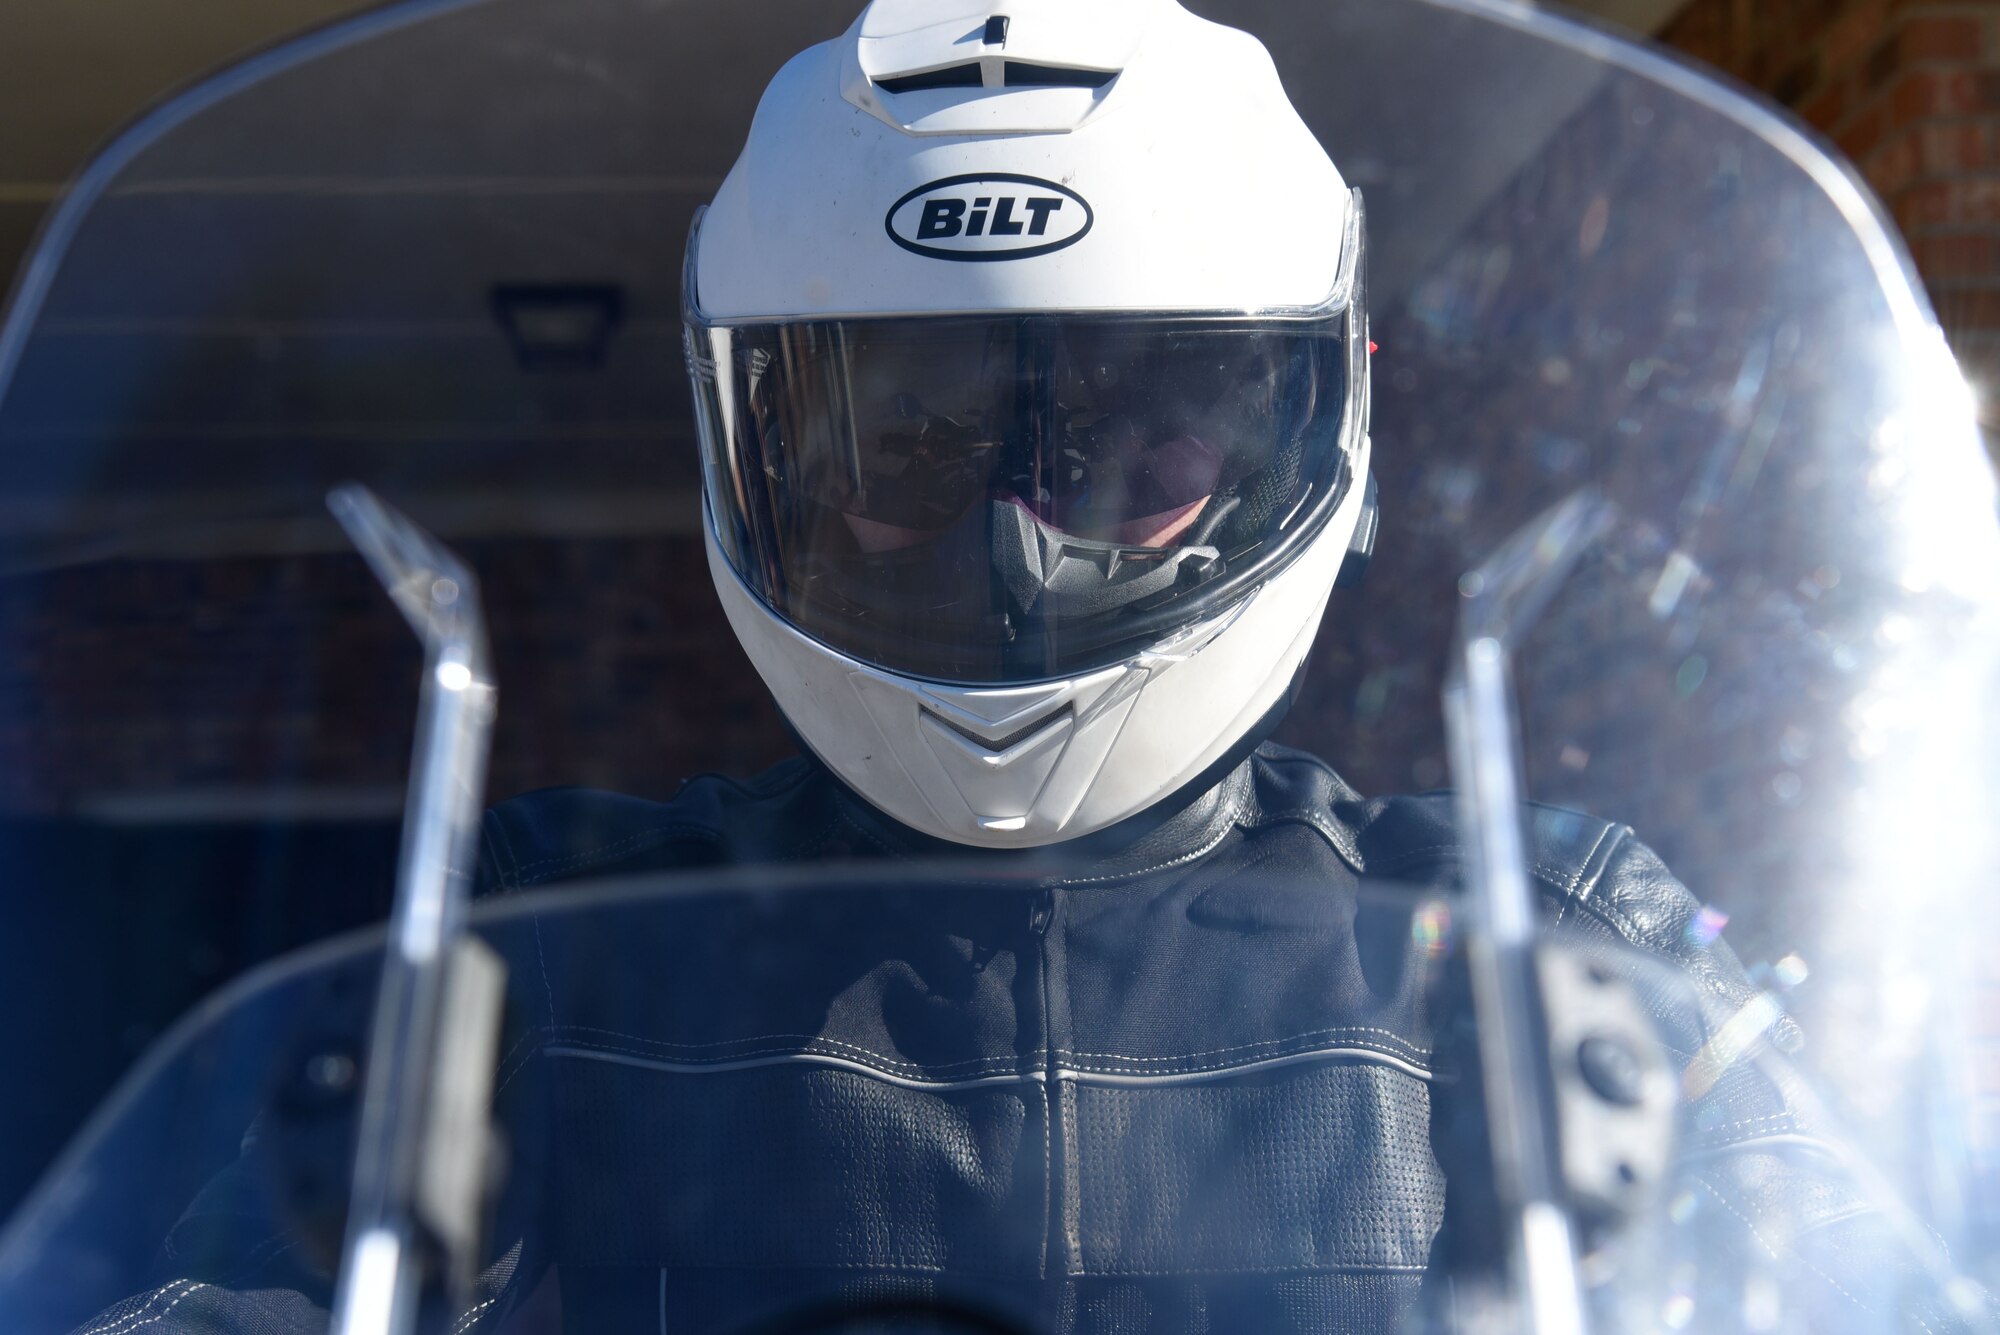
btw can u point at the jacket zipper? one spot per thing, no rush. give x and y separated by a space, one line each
1055 1236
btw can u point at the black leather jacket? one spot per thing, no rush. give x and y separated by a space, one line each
1190 1076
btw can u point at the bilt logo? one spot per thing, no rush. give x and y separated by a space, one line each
989 217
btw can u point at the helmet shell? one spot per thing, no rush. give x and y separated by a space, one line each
1123 156
1047 761
1186 181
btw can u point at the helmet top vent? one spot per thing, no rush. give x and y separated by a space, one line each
995 67
1013 74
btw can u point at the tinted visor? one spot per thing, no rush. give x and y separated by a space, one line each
982 499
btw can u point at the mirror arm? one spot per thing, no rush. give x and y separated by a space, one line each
439 999
1502 598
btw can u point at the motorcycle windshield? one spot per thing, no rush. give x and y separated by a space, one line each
1609 950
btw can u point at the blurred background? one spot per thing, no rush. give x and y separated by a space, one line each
1909 90
205 701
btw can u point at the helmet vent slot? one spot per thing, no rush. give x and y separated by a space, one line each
1020 74
1006 740
951 76
1014 74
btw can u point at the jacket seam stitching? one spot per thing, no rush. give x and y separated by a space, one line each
1349 852
993 1066
542 958
493 854
1337 1031
1855 1210
879 1066
1355 1268
510 868
1765 1243
1573 893
533 1034
1306 1049
536 872
806 1043
130 1322
1231 821
1608 840
1784 1119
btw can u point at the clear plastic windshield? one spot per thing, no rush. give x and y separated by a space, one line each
1680 500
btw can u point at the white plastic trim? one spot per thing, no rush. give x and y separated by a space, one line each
1115 741
1203 189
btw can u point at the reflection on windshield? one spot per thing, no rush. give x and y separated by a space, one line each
765 1058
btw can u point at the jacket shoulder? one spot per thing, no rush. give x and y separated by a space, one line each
1583 865
556 834
1591 873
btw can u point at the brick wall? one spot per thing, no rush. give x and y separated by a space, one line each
254 674
1910 90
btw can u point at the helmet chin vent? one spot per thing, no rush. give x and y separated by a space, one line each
1004 741
1013 74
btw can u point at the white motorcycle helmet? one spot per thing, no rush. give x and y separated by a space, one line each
1030 359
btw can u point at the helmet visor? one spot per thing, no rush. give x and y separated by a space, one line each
1005 499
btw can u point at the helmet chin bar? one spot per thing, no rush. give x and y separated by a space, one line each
1029 765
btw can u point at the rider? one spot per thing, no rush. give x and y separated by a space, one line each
1030 356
